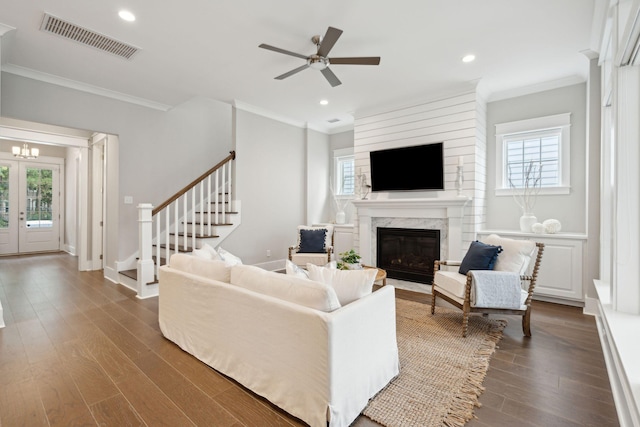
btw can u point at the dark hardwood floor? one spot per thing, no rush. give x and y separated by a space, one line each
80 350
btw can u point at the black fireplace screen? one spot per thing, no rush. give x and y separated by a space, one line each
408 254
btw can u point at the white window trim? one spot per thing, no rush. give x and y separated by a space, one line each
341 152
562 121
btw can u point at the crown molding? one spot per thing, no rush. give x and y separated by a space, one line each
4 29
267 113
539 87
331 129
83 87
318 127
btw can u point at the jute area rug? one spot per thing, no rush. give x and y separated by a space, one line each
441 372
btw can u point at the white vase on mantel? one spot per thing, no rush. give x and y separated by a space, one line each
341 217
526 221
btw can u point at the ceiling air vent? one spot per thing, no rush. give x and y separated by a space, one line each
333 120
57 26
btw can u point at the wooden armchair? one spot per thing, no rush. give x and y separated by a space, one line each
309 250
455 288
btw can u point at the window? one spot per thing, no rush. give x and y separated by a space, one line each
343 182
345 175
540 145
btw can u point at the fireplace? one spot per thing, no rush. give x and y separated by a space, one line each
408 253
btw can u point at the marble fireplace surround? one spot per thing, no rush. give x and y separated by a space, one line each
444 214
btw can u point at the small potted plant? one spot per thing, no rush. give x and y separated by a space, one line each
349 260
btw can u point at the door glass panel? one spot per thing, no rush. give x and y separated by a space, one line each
39 198
4 196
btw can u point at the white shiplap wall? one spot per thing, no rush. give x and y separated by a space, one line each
457 121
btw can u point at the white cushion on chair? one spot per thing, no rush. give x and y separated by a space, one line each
452 282
302 259
515 256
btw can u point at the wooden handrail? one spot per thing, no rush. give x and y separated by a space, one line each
231 156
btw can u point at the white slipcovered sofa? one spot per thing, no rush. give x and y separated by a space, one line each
320 364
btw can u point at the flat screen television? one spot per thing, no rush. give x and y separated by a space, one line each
408 168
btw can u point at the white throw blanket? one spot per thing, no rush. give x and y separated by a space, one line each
496 289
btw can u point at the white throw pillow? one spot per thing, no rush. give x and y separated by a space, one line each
294 270
202 253
228 257
515 256
209 268
285 287
350 285
210 249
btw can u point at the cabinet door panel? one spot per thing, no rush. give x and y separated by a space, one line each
560 270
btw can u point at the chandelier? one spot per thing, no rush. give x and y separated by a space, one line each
25 152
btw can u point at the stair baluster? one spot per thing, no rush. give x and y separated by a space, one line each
216 181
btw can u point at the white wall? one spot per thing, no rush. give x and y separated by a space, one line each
318 173
502 211
159 152
271 184
339 141
71 197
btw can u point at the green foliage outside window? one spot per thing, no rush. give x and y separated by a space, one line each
39 194
4 196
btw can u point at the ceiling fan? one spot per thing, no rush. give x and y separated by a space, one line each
320 60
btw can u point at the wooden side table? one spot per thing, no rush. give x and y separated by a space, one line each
381 275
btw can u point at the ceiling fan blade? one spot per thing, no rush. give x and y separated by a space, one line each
292 72
329 39
286 52
360 60
331 78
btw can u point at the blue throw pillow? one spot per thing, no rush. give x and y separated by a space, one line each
480 256
312 241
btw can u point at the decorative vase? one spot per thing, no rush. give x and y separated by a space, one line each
354 266
340 217
526 221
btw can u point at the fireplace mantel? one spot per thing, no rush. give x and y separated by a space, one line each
451 209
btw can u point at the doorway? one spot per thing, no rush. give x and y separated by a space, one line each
30 219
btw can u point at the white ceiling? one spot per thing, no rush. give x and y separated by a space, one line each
210 48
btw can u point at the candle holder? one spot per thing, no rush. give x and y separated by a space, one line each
459 181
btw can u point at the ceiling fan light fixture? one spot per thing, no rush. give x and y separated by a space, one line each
318 63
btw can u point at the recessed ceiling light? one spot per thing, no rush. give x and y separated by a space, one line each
324 102
127 16
468 58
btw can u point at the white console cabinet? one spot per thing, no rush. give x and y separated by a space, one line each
561 272
342 238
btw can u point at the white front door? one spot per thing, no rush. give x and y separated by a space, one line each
8 207
29 207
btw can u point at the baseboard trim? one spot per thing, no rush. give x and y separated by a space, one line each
616 331
590 306
556 300
111 275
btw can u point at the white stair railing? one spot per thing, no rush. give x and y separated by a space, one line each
172 219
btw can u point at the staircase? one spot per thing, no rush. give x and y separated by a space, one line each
204 211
